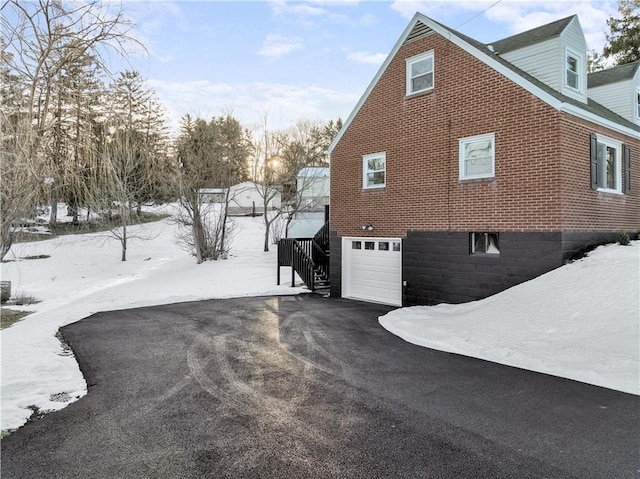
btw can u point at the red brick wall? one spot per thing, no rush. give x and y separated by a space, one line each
585 209
420 137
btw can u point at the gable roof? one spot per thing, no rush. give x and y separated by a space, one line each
613 75
421 25
531 37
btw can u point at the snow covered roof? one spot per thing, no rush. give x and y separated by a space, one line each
314 171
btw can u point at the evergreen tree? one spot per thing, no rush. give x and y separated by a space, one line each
623 43
210 154
134 107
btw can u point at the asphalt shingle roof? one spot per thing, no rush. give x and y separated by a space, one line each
591 106
613 75
531 37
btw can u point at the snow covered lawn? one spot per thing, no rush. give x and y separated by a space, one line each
581 322
84 275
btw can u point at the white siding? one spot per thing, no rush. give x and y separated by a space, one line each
617 97
573 38
546 60
542 60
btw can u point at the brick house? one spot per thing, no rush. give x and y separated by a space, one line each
467 168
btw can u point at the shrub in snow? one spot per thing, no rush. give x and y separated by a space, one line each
623 238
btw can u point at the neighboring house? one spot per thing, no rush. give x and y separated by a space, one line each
313 188
467 168
305 224
248 198
212 195
313 194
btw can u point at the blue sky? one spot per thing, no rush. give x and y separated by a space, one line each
289 60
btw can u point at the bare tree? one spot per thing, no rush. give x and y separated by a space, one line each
48 39
114 183
267 175
210 154
280 156
19 177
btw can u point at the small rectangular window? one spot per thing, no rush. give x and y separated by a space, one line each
572 69
638 103
396 246
606 168
420 73
371 245
383 245
356 245
484 243
477 157
374 170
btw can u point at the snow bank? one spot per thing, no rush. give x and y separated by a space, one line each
581 321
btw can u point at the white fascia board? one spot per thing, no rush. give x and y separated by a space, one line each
489 61
598 120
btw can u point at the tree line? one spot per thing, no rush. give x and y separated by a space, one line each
623 39
73 132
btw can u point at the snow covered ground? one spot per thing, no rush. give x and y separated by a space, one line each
580 321
84 275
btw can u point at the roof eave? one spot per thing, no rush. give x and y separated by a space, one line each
592 117
489 61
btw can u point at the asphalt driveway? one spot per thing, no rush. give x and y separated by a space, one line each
310 387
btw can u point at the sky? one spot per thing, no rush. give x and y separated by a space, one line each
289 60
561 325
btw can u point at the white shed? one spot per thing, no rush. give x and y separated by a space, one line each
313 187
248 198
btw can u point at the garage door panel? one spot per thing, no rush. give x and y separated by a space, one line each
373 270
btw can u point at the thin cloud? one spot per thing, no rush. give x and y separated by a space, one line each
367 57
276 46
523 16
287 102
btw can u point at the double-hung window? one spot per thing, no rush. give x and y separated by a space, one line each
420 73
477 157
374 170
606 161
572 70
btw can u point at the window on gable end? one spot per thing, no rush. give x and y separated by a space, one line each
638 103
374 170
572 70
419 73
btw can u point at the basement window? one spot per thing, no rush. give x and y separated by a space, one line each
484 243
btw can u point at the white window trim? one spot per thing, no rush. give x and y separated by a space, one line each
461 163
618 166
579 60
637 103
411 61
365 169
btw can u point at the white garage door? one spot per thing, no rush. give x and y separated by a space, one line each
372 269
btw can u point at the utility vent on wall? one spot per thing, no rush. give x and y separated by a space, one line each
418 32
